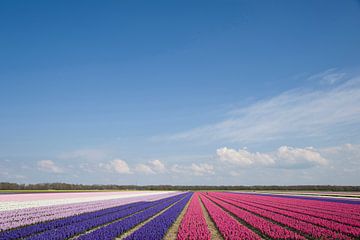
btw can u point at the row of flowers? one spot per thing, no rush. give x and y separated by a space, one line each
193 225
156 228
236 216
72 226
266 227
298 225
294 207
305 216
228 226
18 218
112 230
342 209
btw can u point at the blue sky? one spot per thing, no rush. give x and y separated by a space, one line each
147 92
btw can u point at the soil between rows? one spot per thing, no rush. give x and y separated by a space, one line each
215 233
173 230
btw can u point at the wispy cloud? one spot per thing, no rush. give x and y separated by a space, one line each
330 76
196 169
292 114
49 166
345 157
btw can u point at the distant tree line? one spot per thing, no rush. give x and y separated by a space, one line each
67 186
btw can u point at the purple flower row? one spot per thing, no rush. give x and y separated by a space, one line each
71 226
115 229
59 223
157 227
18 218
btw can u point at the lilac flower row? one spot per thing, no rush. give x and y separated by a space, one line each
17 218
31 210
71 226
59 223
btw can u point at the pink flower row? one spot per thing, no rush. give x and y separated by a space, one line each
304 227
293 206
332 222
268 228
228 226
193 225
352 210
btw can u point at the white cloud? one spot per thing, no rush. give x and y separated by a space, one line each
200 169
143 168
289 156
152 167
243 157
116 165
283 157
296 114
157 166
49 166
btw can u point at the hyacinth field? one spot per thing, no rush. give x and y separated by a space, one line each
176 215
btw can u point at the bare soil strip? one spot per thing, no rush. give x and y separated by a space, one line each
173 230
129 232
256 214
215 233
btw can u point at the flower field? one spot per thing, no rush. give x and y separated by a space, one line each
153 215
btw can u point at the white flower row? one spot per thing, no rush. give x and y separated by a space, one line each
14 205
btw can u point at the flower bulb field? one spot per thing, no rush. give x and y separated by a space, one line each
156 215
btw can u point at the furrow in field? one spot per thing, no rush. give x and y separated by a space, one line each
214 231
